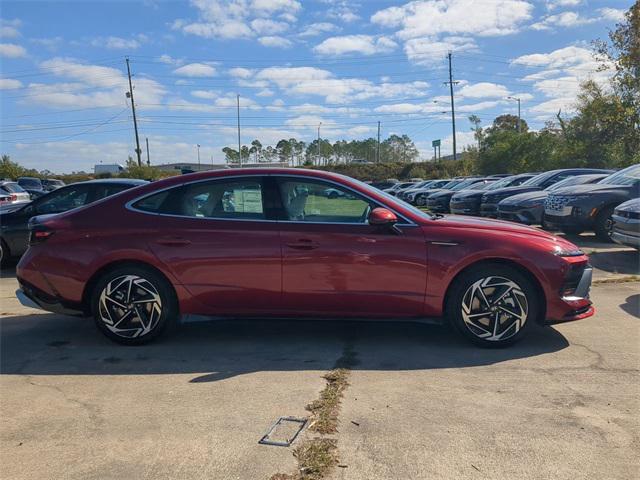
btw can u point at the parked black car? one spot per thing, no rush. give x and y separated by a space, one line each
439 202
528 208
14 232
467 202
410 194
590 207
384 184
398 186
50 184
422 194
490 200
625 228
30 183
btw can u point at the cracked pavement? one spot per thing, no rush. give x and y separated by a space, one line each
422 403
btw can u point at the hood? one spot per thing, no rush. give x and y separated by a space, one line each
524 198
431 191
629 206
476 223
591 189
442 194
467 194
507 192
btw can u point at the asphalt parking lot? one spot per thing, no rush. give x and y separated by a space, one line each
421 402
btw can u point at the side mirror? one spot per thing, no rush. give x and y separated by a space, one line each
383 217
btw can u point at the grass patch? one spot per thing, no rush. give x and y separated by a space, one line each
326 408
627 279
316 457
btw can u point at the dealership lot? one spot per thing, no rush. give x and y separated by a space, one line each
422 403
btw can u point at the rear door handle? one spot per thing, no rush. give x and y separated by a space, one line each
173 241
303 244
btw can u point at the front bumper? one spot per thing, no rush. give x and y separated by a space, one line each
558 222
489 210
519 215
465 208
438 206
625 238
576 305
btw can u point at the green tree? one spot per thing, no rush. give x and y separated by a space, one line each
10 170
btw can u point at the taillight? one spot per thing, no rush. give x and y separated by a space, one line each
39 234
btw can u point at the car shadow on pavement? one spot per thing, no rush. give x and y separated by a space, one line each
631 305
47 344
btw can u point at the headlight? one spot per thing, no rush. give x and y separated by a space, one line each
567 252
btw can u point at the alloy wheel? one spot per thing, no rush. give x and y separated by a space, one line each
130 306
494 308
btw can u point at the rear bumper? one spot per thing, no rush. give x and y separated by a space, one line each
32 297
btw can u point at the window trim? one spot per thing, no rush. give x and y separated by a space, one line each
264 178
129 205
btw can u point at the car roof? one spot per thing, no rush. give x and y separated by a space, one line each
126 181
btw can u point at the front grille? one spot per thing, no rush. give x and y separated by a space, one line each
556 202
508 208
572 279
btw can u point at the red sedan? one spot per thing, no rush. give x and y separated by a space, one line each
294 243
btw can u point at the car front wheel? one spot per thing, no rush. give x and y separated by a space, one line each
133 305
493 306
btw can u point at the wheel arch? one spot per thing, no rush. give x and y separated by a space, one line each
507 263
93 280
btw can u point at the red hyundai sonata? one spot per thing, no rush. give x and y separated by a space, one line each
294 243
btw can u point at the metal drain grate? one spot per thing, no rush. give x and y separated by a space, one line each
284 431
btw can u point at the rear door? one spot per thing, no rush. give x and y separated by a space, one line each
217 240
335 264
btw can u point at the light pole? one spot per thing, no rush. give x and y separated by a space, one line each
517 99
319 142
198 145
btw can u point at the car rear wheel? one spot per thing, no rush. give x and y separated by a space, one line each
421 200
133 305
4 252
603 224
572 230
492 305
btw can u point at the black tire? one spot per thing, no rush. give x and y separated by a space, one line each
5 254
602 224
572 230
147 307
333 195
421 200
524 300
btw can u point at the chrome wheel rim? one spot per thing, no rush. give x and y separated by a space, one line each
130 306
494 308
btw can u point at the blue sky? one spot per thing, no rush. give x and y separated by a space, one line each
294 63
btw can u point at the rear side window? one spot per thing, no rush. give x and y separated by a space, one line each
224 199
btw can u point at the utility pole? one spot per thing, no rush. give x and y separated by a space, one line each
239 147
198 145
378 146
148 158
133 110
453 112
517 99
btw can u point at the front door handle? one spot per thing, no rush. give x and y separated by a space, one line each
173 241
303 244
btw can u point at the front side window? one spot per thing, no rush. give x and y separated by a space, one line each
224 199
320 202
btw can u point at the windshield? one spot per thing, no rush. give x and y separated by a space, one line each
451 184
623 177
30 182
577 180
539 179
505 182
464 184
482 186
12 188
393 200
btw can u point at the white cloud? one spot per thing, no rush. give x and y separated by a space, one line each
553 4
169 60
119 43
560 58
483 90
206 94
615 14
9 84
11 50
264 26
50 43
240 72
363 44
427 50
564 20
316 29
275 41
265 93
432 17
90 86
7 31
195 70
232 19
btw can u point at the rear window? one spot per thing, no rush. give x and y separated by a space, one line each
13 188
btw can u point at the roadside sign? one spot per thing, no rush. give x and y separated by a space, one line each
435 143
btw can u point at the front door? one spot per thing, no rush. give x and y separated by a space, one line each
334 263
